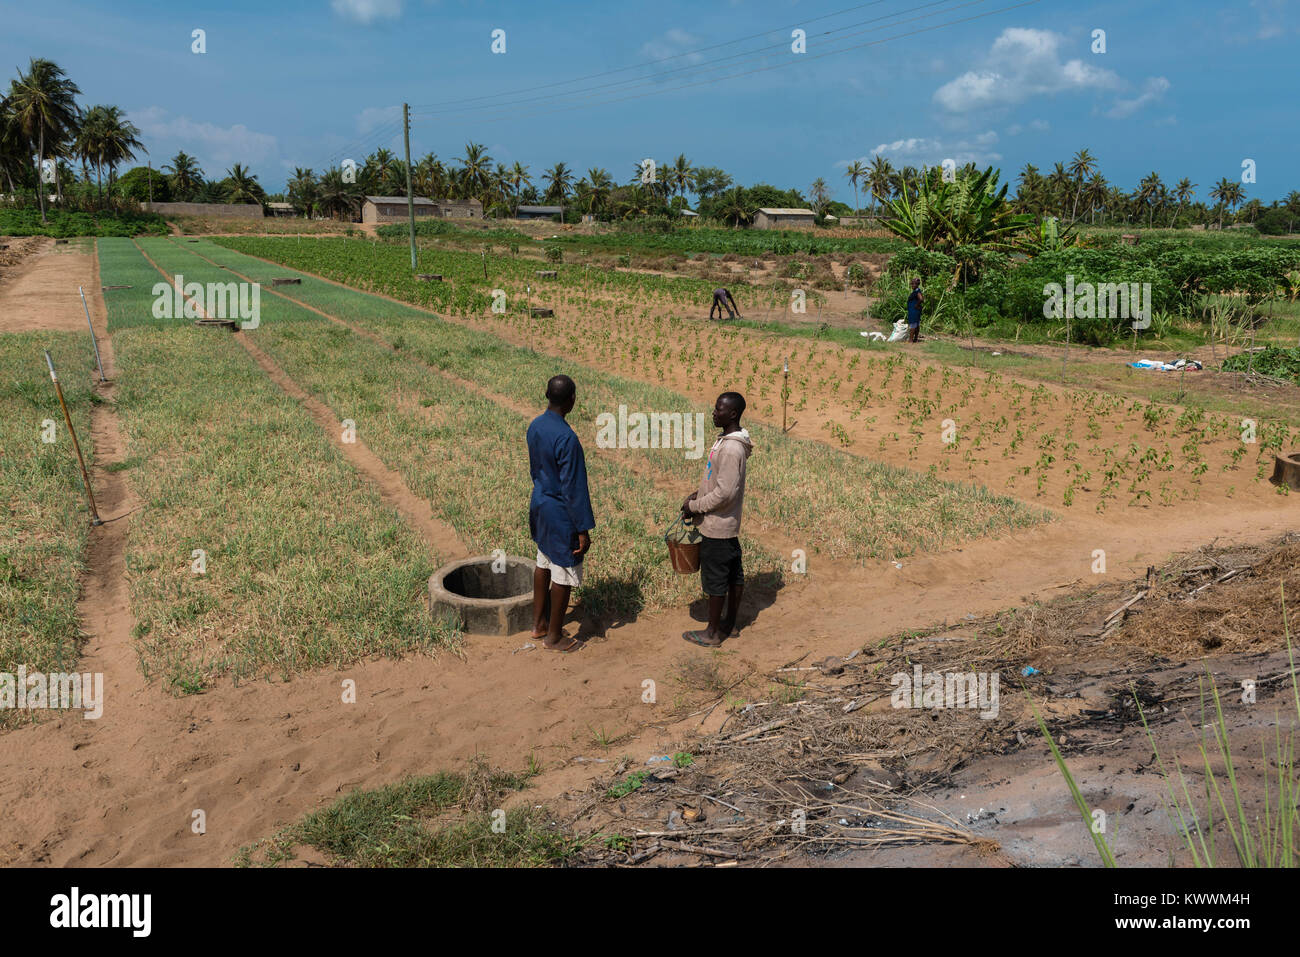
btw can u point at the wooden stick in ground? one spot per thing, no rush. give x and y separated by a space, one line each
67 417
93 342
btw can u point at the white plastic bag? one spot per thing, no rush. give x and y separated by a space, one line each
900 331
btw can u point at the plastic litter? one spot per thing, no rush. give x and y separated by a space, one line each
1029 671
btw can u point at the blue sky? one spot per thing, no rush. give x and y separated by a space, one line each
1183 88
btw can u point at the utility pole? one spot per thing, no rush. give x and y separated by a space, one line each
410 196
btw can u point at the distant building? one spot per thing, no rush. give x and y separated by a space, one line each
391 209
281 209
539 212
460 209
784 218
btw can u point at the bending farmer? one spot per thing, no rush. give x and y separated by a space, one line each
722 299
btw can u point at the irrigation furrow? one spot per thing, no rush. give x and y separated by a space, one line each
770 538
392 489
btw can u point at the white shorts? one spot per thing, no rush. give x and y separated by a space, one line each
561 574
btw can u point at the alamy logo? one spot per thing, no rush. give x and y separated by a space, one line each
951 689
1103 300
25 691
653 430
103 910
215 300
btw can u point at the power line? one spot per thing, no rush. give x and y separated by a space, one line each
793 61
649 63
713 66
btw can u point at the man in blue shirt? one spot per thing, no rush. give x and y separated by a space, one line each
914 302
559 513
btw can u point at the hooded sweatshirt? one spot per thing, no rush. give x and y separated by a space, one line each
721 494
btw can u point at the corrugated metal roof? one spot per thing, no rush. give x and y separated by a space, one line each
787 212
551 210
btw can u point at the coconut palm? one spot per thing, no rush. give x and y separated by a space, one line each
1183 191
13 151
733 207
475 170
821 195
559 181
336 198
1081 167
110 139
880 180
519 180
304 191
242 187
186 176
42 104
599 184
682 175
855 171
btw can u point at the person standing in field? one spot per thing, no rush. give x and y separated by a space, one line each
722 299
715 507
559 513
914 302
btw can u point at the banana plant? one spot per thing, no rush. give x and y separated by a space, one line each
971 211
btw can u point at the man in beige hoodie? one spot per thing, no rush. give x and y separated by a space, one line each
715 508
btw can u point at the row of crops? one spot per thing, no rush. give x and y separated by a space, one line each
827 501
301 565
46 520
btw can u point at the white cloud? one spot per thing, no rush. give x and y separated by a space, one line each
217 147
672 44
1033 126
1022 63
367 11
929 151
373 117
1152 90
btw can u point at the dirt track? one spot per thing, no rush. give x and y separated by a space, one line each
122 790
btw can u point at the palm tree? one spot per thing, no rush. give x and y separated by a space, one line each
42 104
242 186
1184 191
304 191
186 176
559 181
821 195
682 175
337 198
475 169
116 140
733 207
855 171
1095 194
599 184
880 180
14 156
519 178
1081 167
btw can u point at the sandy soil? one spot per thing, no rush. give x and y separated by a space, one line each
40 291
123 790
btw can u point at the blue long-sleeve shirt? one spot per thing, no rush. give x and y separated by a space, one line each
560 506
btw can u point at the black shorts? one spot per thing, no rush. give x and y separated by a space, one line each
720 565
